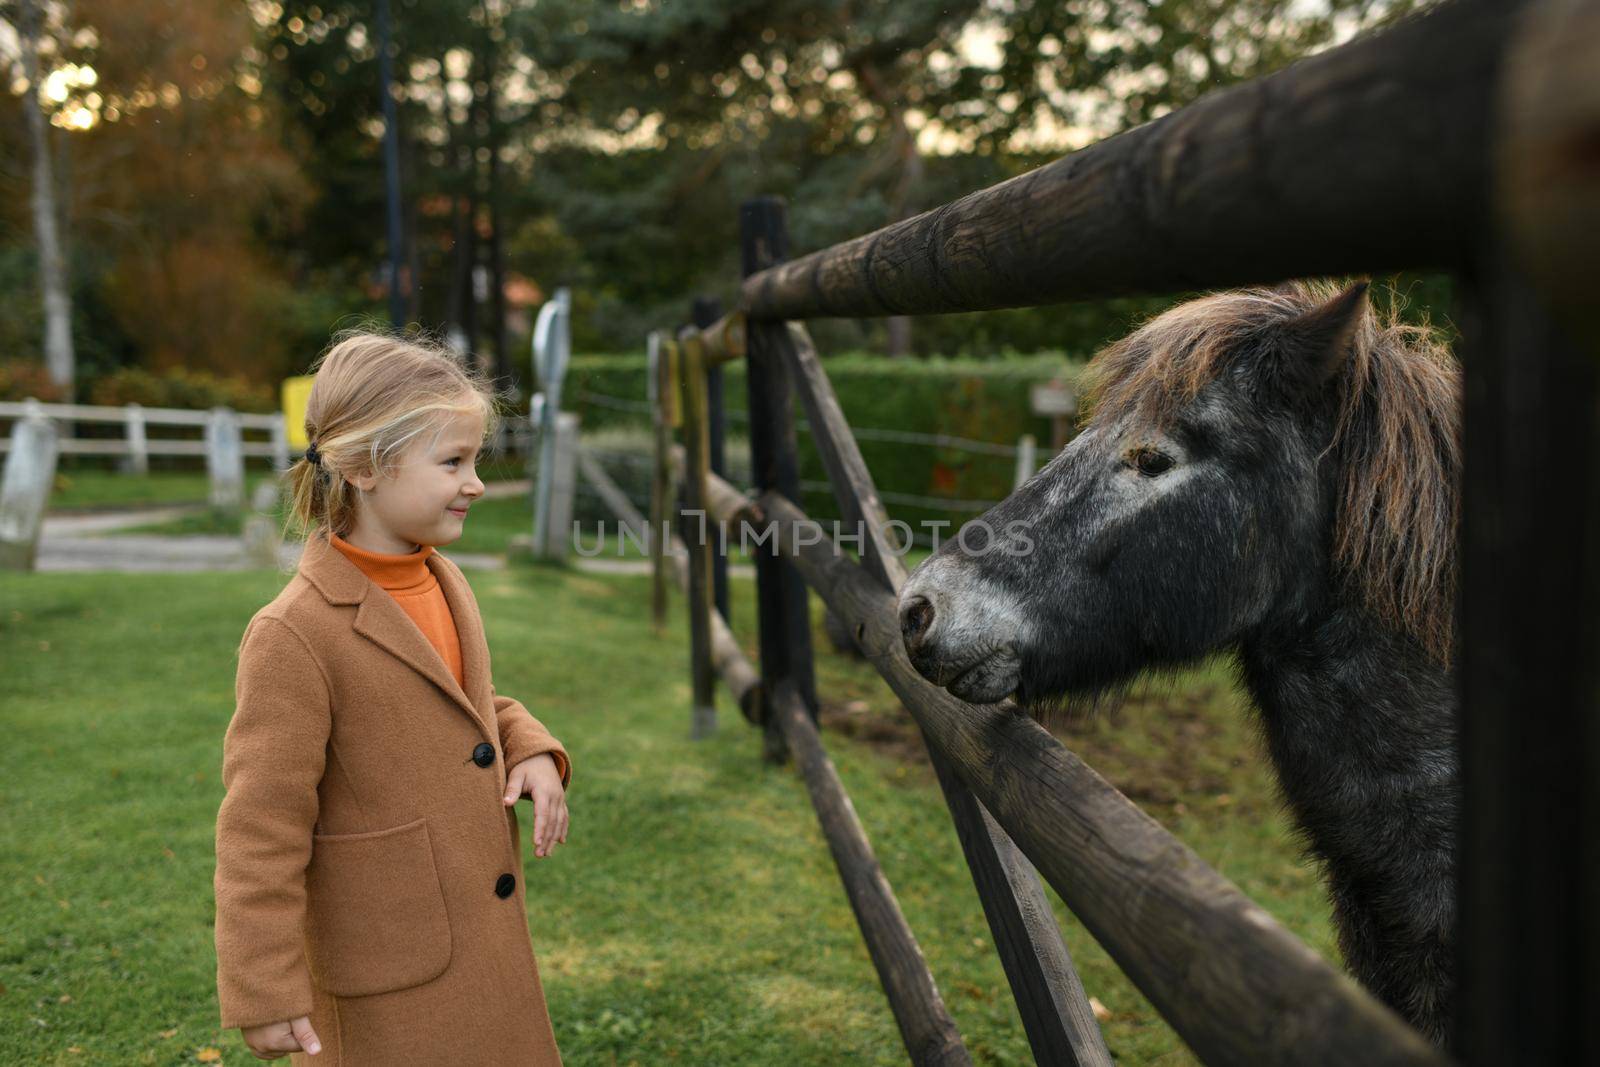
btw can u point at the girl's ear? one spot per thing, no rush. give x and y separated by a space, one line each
366 481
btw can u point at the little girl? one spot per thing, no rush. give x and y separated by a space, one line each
369 882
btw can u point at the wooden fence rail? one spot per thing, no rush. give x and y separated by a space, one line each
1367 157
1424 146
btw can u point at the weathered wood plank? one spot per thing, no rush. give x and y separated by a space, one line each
1236 985
1530 681
611 494
1055 1009
663 494
724 339
1366 157
706 312
929 1033
782 598
697 445
736 671
1546 179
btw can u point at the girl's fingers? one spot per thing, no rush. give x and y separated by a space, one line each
304 1036
540 819
513 786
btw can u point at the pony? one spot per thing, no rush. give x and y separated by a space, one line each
1272 473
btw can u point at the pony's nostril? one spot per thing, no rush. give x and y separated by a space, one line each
916 615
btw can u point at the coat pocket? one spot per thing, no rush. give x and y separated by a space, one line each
375 912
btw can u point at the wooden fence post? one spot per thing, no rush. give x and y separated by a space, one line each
782 597
1027 460
30 472
705 312
700 534
663 377
225 459
138 461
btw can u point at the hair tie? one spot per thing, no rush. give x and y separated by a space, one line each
313 457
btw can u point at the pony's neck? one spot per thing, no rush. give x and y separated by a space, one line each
1359 721
1362 728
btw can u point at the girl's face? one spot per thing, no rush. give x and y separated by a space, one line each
425 501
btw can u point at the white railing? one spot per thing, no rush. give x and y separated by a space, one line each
138 446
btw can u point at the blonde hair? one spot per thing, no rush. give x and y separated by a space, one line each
374 396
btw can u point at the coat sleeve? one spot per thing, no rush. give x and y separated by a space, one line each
272 762
523 737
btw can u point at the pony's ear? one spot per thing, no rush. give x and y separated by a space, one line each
1315 344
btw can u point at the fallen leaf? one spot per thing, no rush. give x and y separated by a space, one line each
65 998
1101 1012
74 1048
169 1033
208 1055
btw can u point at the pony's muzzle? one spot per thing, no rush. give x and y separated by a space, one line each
980 671
916 619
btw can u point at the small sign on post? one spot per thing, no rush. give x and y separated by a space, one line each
294 394
1058 400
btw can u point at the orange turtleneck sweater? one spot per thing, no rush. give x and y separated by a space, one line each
408 579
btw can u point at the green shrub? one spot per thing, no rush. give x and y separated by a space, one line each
181 388
983 400
24 378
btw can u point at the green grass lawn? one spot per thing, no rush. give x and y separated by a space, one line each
695 915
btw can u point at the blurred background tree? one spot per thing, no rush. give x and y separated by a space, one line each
219 166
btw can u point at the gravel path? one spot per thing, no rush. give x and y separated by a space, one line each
75 542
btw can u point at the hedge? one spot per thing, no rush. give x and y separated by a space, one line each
983 400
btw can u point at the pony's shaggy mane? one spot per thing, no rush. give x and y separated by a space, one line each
1397 443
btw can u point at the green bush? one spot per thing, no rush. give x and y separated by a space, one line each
978 399
24 378
181 388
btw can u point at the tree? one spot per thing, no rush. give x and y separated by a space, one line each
57 300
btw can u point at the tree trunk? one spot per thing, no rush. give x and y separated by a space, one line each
59 355
504 365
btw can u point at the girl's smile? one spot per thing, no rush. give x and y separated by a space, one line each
425 500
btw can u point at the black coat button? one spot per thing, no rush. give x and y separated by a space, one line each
483 755
504 886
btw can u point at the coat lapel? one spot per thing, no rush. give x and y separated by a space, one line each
381 620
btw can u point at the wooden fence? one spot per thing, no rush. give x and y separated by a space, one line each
1462 140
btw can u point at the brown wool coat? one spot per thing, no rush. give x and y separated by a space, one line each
361 848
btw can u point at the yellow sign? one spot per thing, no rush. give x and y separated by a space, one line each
295 393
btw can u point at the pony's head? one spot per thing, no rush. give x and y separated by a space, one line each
1250 456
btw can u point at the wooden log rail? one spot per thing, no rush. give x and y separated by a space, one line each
929 1033
1367 157
1237 986
1462 139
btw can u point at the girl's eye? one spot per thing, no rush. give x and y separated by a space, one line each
453 461
1151 462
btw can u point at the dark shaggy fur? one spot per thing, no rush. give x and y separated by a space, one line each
1273 472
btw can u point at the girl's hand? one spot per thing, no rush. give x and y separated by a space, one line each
539 778
276 1040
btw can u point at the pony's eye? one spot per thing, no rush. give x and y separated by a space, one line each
1151 462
